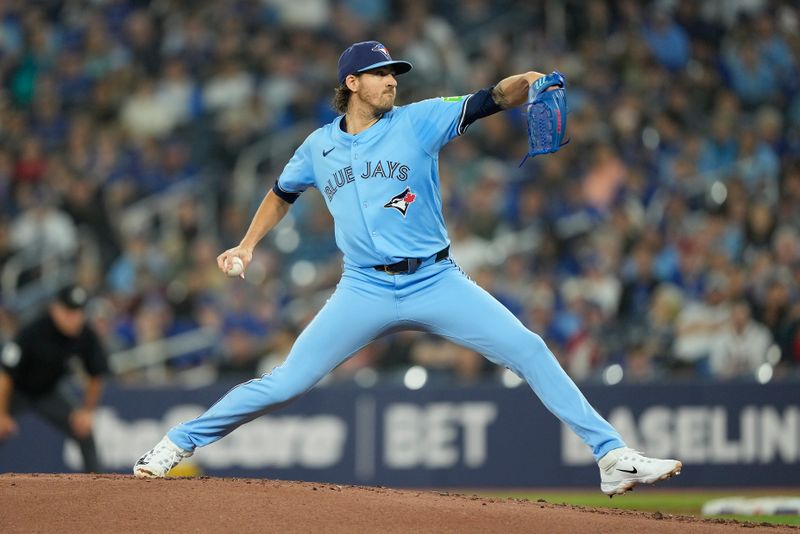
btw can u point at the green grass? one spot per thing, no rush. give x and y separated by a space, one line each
774 519
666 502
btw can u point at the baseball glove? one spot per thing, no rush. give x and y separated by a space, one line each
547 115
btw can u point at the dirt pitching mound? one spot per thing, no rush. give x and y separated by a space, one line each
119 503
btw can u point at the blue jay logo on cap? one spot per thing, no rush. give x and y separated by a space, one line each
383 50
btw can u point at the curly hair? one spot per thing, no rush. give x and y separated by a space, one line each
341 97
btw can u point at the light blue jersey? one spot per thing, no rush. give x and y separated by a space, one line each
382 185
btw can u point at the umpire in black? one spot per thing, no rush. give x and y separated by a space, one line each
34 365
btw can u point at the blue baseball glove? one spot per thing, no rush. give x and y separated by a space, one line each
547 115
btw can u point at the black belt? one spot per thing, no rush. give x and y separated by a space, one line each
410 265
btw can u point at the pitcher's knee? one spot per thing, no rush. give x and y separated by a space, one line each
532 348
526 342
281 387
537 344
522 350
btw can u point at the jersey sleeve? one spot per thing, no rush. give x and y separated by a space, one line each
437 121
297 175
93 354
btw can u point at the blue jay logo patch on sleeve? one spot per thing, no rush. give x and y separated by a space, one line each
401 201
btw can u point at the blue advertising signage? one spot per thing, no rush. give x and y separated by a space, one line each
483 436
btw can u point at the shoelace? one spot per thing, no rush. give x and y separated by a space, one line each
641 457
169 459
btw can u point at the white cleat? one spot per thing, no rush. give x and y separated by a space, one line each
158 461
622 469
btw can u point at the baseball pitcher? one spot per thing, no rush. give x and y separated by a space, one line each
376 165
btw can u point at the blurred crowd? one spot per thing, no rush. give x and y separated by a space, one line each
663 240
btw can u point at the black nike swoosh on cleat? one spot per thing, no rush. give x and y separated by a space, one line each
632 471
326 152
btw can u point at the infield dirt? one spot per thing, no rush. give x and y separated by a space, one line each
119 503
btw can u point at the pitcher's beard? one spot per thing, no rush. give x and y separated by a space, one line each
386 104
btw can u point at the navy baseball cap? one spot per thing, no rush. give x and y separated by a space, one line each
368 55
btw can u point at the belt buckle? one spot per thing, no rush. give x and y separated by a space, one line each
388 270
412 264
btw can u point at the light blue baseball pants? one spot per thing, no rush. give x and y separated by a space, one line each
438 298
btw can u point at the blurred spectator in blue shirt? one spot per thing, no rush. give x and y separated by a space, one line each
752 77
667 40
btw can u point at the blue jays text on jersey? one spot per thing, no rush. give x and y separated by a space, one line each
393 170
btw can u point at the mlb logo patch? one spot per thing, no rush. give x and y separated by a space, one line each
401 201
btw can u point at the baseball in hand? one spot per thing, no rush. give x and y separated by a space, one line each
236 268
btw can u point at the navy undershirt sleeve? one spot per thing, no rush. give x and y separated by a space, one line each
479 105
285 195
